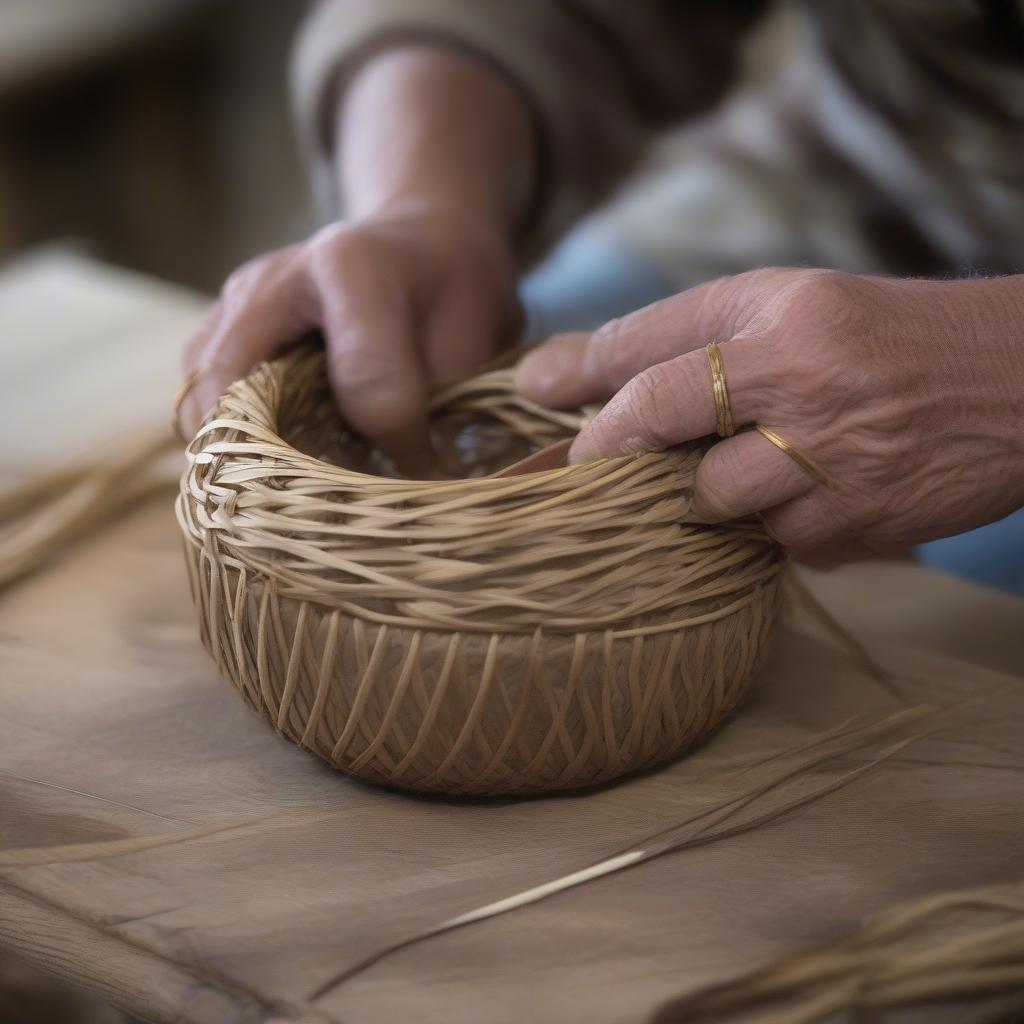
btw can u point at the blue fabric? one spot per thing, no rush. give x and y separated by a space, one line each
584 283
993 554
589 280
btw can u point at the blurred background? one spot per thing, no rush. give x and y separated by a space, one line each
153 133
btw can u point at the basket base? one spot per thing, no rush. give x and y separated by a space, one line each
477 714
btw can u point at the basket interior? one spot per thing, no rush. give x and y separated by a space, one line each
477 428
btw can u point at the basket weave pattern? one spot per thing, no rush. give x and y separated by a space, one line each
473 636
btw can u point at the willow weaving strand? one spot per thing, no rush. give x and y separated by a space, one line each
475 635
52 511
948 946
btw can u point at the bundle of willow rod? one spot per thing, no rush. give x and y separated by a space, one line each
474 635
930 951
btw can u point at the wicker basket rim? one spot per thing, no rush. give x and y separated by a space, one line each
605 545
494 381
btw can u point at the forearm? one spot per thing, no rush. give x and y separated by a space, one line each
415 286
597 77
423 126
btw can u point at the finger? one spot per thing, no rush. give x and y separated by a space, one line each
466 330
745 474
551 373
671 402
190 355
263 308
186 413
374 366
575 369
812 526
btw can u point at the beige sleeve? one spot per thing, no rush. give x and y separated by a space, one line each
599 76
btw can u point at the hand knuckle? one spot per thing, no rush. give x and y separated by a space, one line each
622 427
328 242
825 294
609 330
811 385
329 235
715 497
606 352
756 278
650 393
810 521
781 531
357 369
338 248
241 281
645 389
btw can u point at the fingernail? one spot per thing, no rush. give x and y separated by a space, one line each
581 451
699 512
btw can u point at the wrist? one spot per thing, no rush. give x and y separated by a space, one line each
984 327
973 333
426 128
437 205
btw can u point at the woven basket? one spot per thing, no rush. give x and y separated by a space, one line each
477 635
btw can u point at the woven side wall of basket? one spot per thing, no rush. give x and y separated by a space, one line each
479 635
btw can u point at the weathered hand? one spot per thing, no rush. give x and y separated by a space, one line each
405 302
908 394
434 158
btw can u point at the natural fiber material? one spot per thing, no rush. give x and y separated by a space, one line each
56 509
950 946
472 635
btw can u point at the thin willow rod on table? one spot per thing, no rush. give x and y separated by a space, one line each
52 511
929 950
471 633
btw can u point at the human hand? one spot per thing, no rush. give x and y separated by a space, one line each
417 288
406 301
908 395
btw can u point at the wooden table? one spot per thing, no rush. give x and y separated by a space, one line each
162 847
